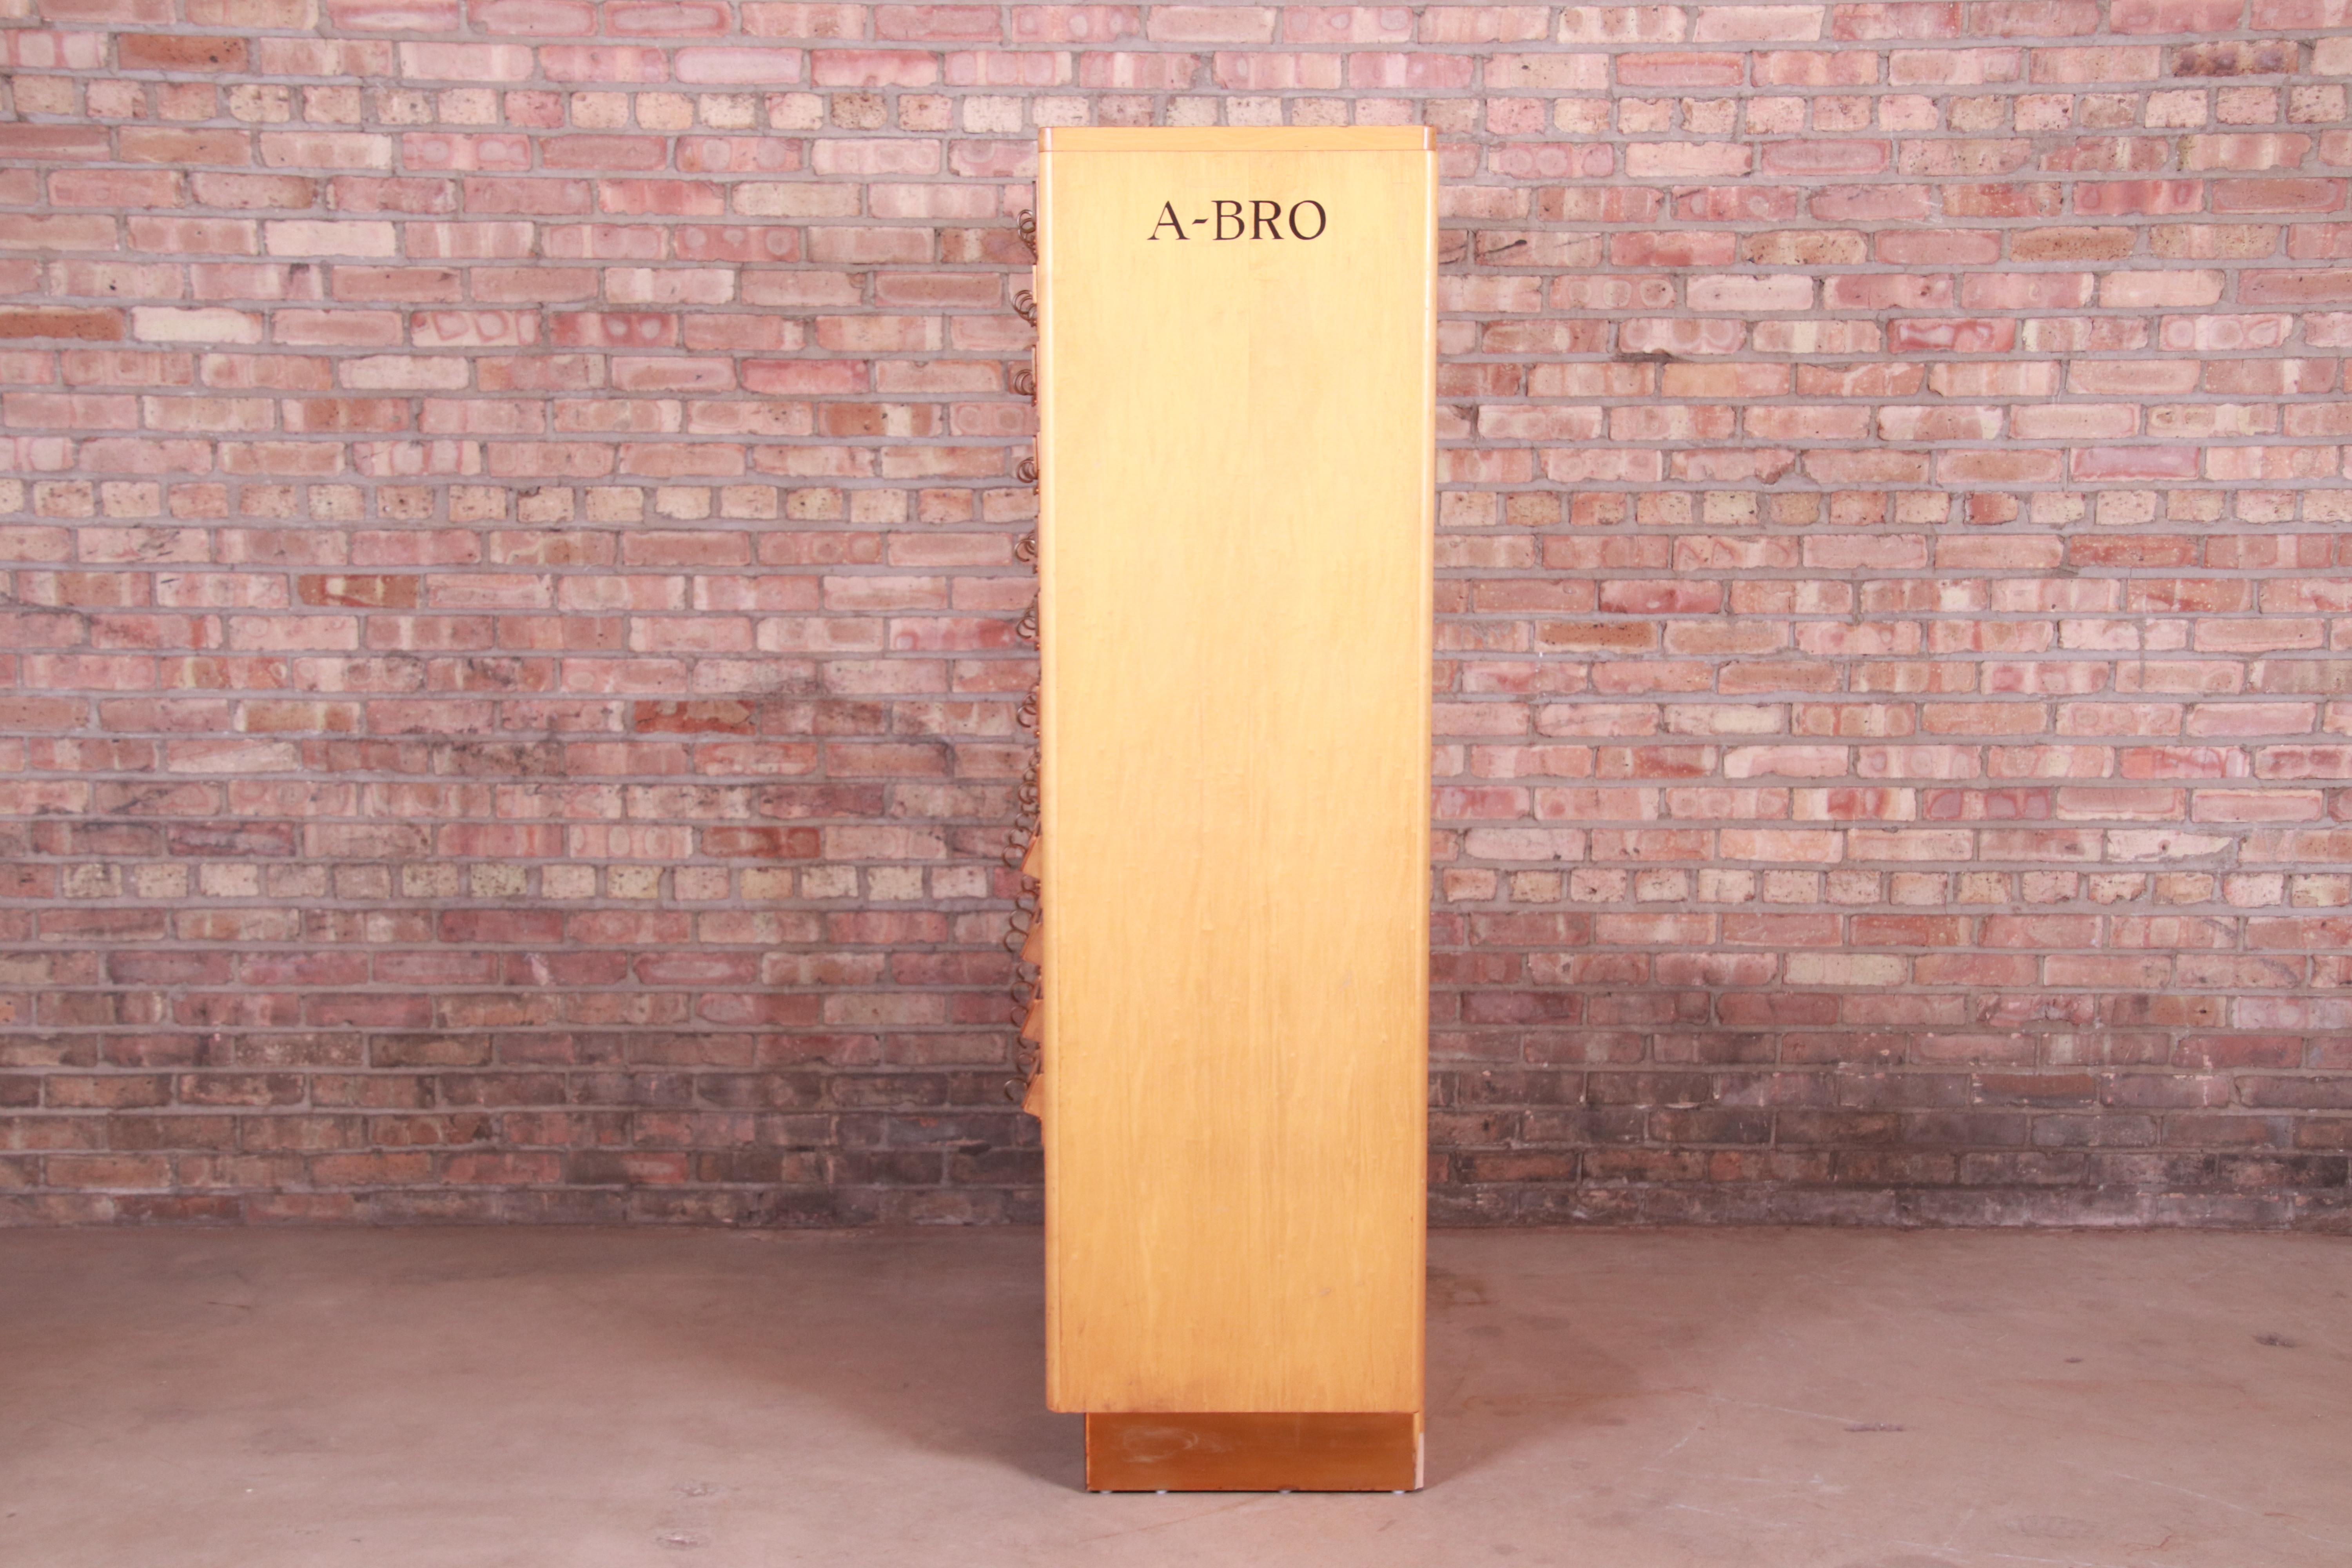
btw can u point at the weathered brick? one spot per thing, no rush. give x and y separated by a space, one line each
549 528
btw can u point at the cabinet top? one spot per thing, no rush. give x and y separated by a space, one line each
1237 138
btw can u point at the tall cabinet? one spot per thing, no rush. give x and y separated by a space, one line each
1235 371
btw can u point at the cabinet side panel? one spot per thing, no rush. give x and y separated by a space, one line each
1236 443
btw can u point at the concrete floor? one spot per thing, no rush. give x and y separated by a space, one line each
584 1398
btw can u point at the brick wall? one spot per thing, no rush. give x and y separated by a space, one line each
507 707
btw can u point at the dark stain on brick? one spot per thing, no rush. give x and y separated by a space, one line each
725 716
2274 56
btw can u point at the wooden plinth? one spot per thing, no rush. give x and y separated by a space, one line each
1257 1452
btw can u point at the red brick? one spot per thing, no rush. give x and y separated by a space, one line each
722 66
2032 18
2280 196
1211 24
2178 15
666 18
2235 57
873 67
2268 287
184 52
89 325
1076 24
1899 19
1125 71
603 63
714 586
1681 69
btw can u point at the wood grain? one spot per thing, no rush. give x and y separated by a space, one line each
1235 556
1330 1452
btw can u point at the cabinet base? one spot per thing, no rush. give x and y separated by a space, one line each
1318 1451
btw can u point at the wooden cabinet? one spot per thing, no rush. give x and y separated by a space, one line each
1235 366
